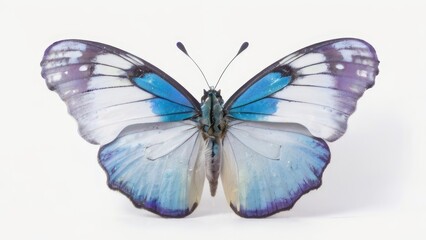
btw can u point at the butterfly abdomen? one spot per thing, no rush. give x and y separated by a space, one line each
213 163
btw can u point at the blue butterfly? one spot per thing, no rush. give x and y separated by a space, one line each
158 143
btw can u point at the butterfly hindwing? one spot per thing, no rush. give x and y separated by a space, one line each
107 89
267 167
317 87
159 166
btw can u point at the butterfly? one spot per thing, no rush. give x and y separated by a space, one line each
267 142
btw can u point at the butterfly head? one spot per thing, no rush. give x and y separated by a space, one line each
213 96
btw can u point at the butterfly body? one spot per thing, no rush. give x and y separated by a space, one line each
213 125
267 143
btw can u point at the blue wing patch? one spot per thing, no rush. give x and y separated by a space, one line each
267 85
268 167
170 111
256 111
156 85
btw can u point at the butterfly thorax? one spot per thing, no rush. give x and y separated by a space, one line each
212 125
212 122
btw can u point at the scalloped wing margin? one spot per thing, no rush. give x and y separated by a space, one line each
158 166
267 167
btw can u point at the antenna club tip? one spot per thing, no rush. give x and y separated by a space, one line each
181 47
243 47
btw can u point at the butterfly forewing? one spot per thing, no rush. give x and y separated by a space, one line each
107 89
317 87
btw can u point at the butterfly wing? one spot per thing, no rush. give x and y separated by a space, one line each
267 167
159 166
155 160
317 87
273 149
107 89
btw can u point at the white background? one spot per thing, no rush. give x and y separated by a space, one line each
51 186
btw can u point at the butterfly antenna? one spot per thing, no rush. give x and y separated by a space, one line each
243 47
183 49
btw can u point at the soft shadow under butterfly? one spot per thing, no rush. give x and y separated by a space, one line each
159 143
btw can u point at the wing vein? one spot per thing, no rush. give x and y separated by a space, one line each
95 45
310 103
318 63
